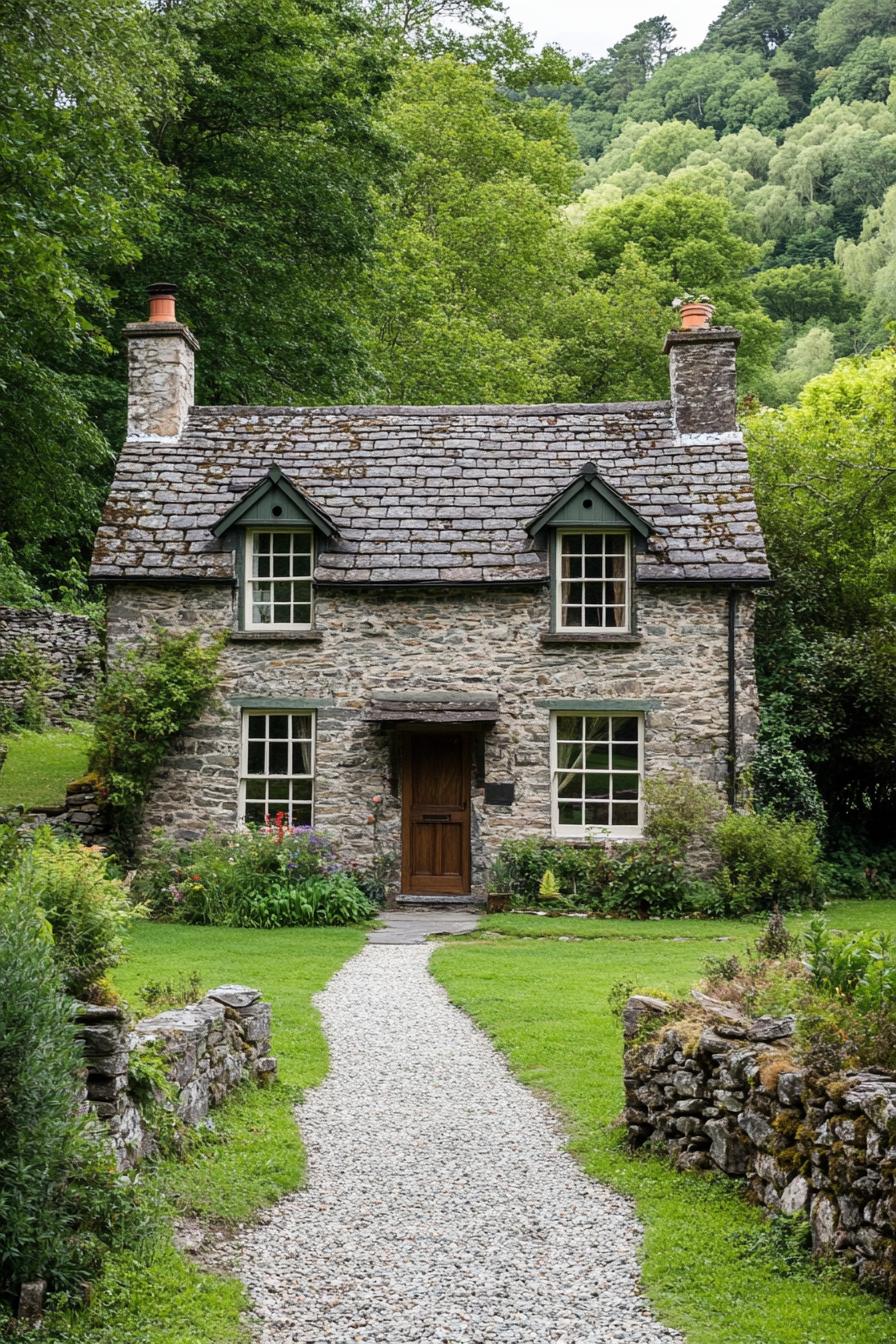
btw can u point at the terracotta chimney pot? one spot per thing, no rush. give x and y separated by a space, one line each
161 303
695 316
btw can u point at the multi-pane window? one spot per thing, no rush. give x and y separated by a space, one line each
597 770
278 578
278 767
592 580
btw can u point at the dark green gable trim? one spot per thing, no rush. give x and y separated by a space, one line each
275 502
588 502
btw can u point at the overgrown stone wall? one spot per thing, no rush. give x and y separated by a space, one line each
485 640
70 646
208 1049
719 1092
82 813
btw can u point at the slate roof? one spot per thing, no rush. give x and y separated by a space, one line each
431 494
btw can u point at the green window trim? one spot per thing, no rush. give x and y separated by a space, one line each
600 706
285 702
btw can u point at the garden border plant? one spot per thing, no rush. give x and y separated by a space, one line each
697 857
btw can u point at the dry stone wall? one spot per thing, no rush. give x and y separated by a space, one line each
723 1093
208 1049
69 645
443 640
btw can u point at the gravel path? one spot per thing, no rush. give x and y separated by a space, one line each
441 1204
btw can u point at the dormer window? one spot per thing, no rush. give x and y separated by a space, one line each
593 536
276 532
592 579
277 584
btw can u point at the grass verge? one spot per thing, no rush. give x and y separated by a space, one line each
713 1266
39 765
253 1156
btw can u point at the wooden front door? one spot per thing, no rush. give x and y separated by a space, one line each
436 814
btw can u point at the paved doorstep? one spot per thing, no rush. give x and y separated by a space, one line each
441 1204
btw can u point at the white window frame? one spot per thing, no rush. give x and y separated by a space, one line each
249 579
245 717
559 534
585 832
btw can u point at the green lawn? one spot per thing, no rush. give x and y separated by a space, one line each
39 765
712 1265
255 1154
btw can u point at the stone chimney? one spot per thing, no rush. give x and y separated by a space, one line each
160 369
703 380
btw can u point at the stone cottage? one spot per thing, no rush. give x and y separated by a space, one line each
502 619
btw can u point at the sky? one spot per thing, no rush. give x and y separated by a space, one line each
583 26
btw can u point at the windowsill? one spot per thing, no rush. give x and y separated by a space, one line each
310 636
597 837
619 637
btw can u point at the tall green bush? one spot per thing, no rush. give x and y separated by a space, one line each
766 861
85 909
62 1203
153 693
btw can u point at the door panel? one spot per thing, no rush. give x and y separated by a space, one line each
436 814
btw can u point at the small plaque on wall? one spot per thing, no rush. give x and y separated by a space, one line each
499 794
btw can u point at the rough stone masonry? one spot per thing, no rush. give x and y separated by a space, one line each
208 1048
720 1092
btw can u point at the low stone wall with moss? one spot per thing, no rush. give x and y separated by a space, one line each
169 1070
721 1092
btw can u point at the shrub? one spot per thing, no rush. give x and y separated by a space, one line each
766 861
86 910
776 940
154 693
781 780
853 871
581 871
680 810
263 878
650 879
62 1203
859 967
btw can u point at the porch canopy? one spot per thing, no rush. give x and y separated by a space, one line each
395 708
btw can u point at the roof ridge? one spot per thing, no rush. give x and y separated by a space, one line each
485 408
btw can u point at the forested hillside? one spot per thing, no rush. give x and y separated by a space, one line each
362 204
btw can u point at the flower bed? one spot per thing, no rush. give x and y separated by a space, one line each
266 878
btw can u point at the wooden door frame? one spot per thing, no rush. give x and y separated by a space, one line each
435 730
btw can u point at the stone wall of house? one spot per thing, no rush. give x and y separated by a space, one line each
209 1048
71 648
486 640
722 1093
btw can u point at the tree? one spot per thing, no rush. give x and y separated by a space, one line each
609 335
805 293
842 25
826 486
79 82
474 251
278 154
868 266
763 26
687 242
